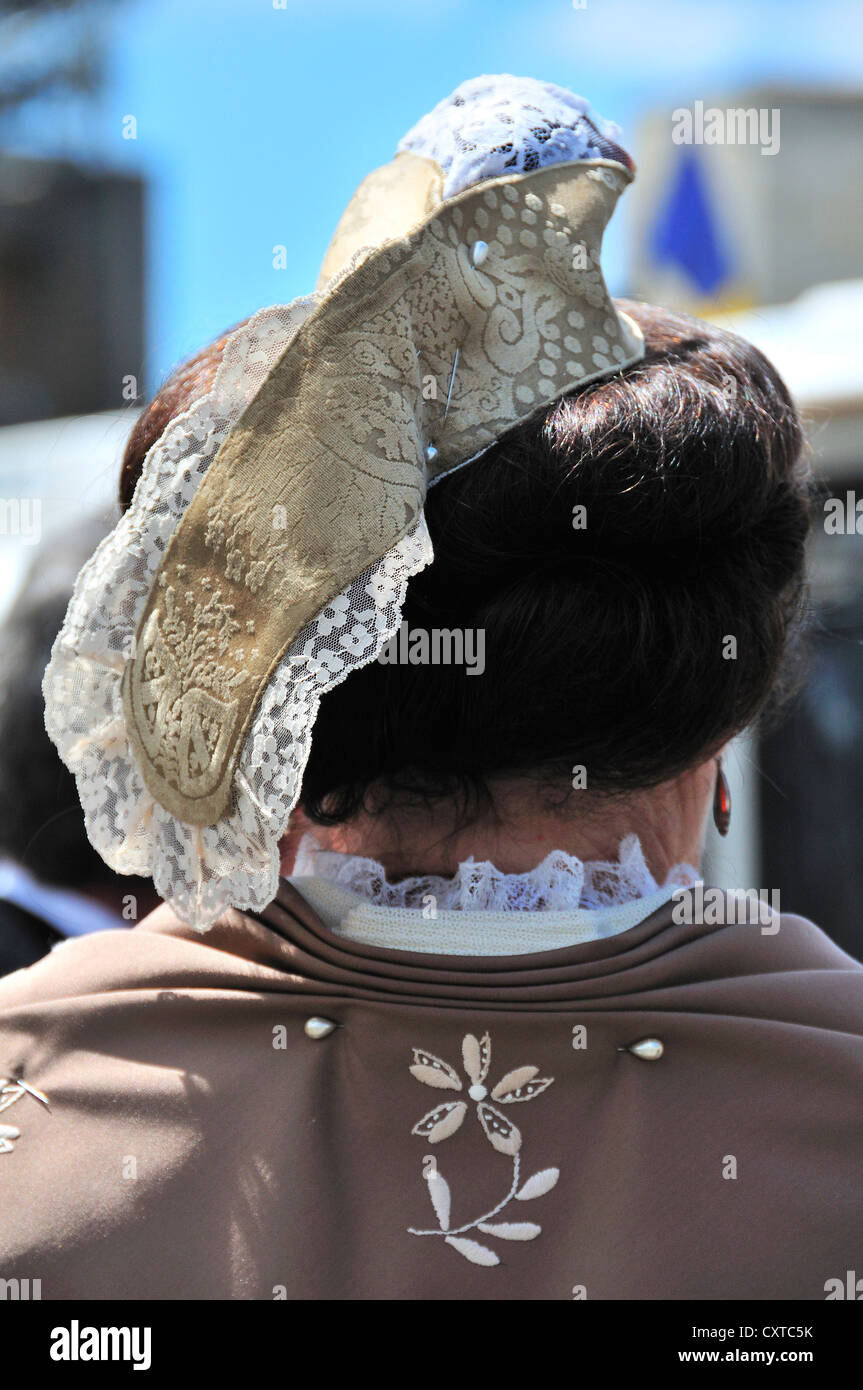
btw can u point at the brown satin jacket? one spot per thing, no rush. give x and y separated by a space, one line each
471 1127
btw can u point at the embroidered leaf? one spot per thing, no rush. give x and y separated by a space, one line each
521 1084
476 1057
511 1230
431 1071
513 1080
500 1132
440 1197
441 1122
429 1076
473 1251
538 1185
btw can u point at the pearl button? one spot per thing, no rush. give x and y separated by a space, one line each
648 1049
479 252
431 454
318 1027
477 1092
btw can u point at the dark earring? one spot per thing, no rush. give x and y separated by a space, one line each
721 800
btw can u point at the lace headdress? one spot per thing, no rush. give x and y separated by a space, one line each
267 549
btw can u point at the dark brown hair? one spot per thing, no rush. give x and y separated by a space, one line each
605 645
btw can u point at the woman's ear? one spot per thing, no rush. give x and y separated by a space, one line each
298 826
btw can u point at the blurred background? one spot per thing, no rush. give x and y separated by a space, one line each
169 166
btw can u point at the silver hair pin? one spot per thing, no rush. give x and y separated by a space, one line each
451 383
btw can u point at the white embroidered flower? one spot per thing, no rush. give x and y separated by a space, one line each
518 1085
376 589
357 641
522 1084
333 616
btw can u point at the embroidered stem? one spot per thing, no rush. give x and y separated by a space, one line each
459 1230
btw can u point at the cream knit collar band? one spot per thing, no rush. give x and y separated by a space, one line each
480 910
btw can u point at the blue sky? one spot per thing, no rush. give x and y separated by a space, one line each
255 123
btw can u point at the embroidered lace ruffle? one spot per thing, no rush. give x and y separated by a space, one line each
562 882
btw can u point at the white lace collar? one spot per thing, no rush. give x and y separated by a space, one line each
561 883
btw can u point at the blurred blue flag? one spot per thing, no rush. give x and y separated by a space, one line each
686 235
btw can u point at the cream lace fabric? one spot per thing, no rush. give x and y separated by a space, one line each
501 125
486 127
561 883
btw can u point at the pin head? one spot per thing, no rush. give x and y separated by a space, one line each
648 1049
479 253
318 1028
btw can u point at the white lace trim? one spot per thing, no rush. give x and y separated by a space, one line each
202 871
505 125
561 883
